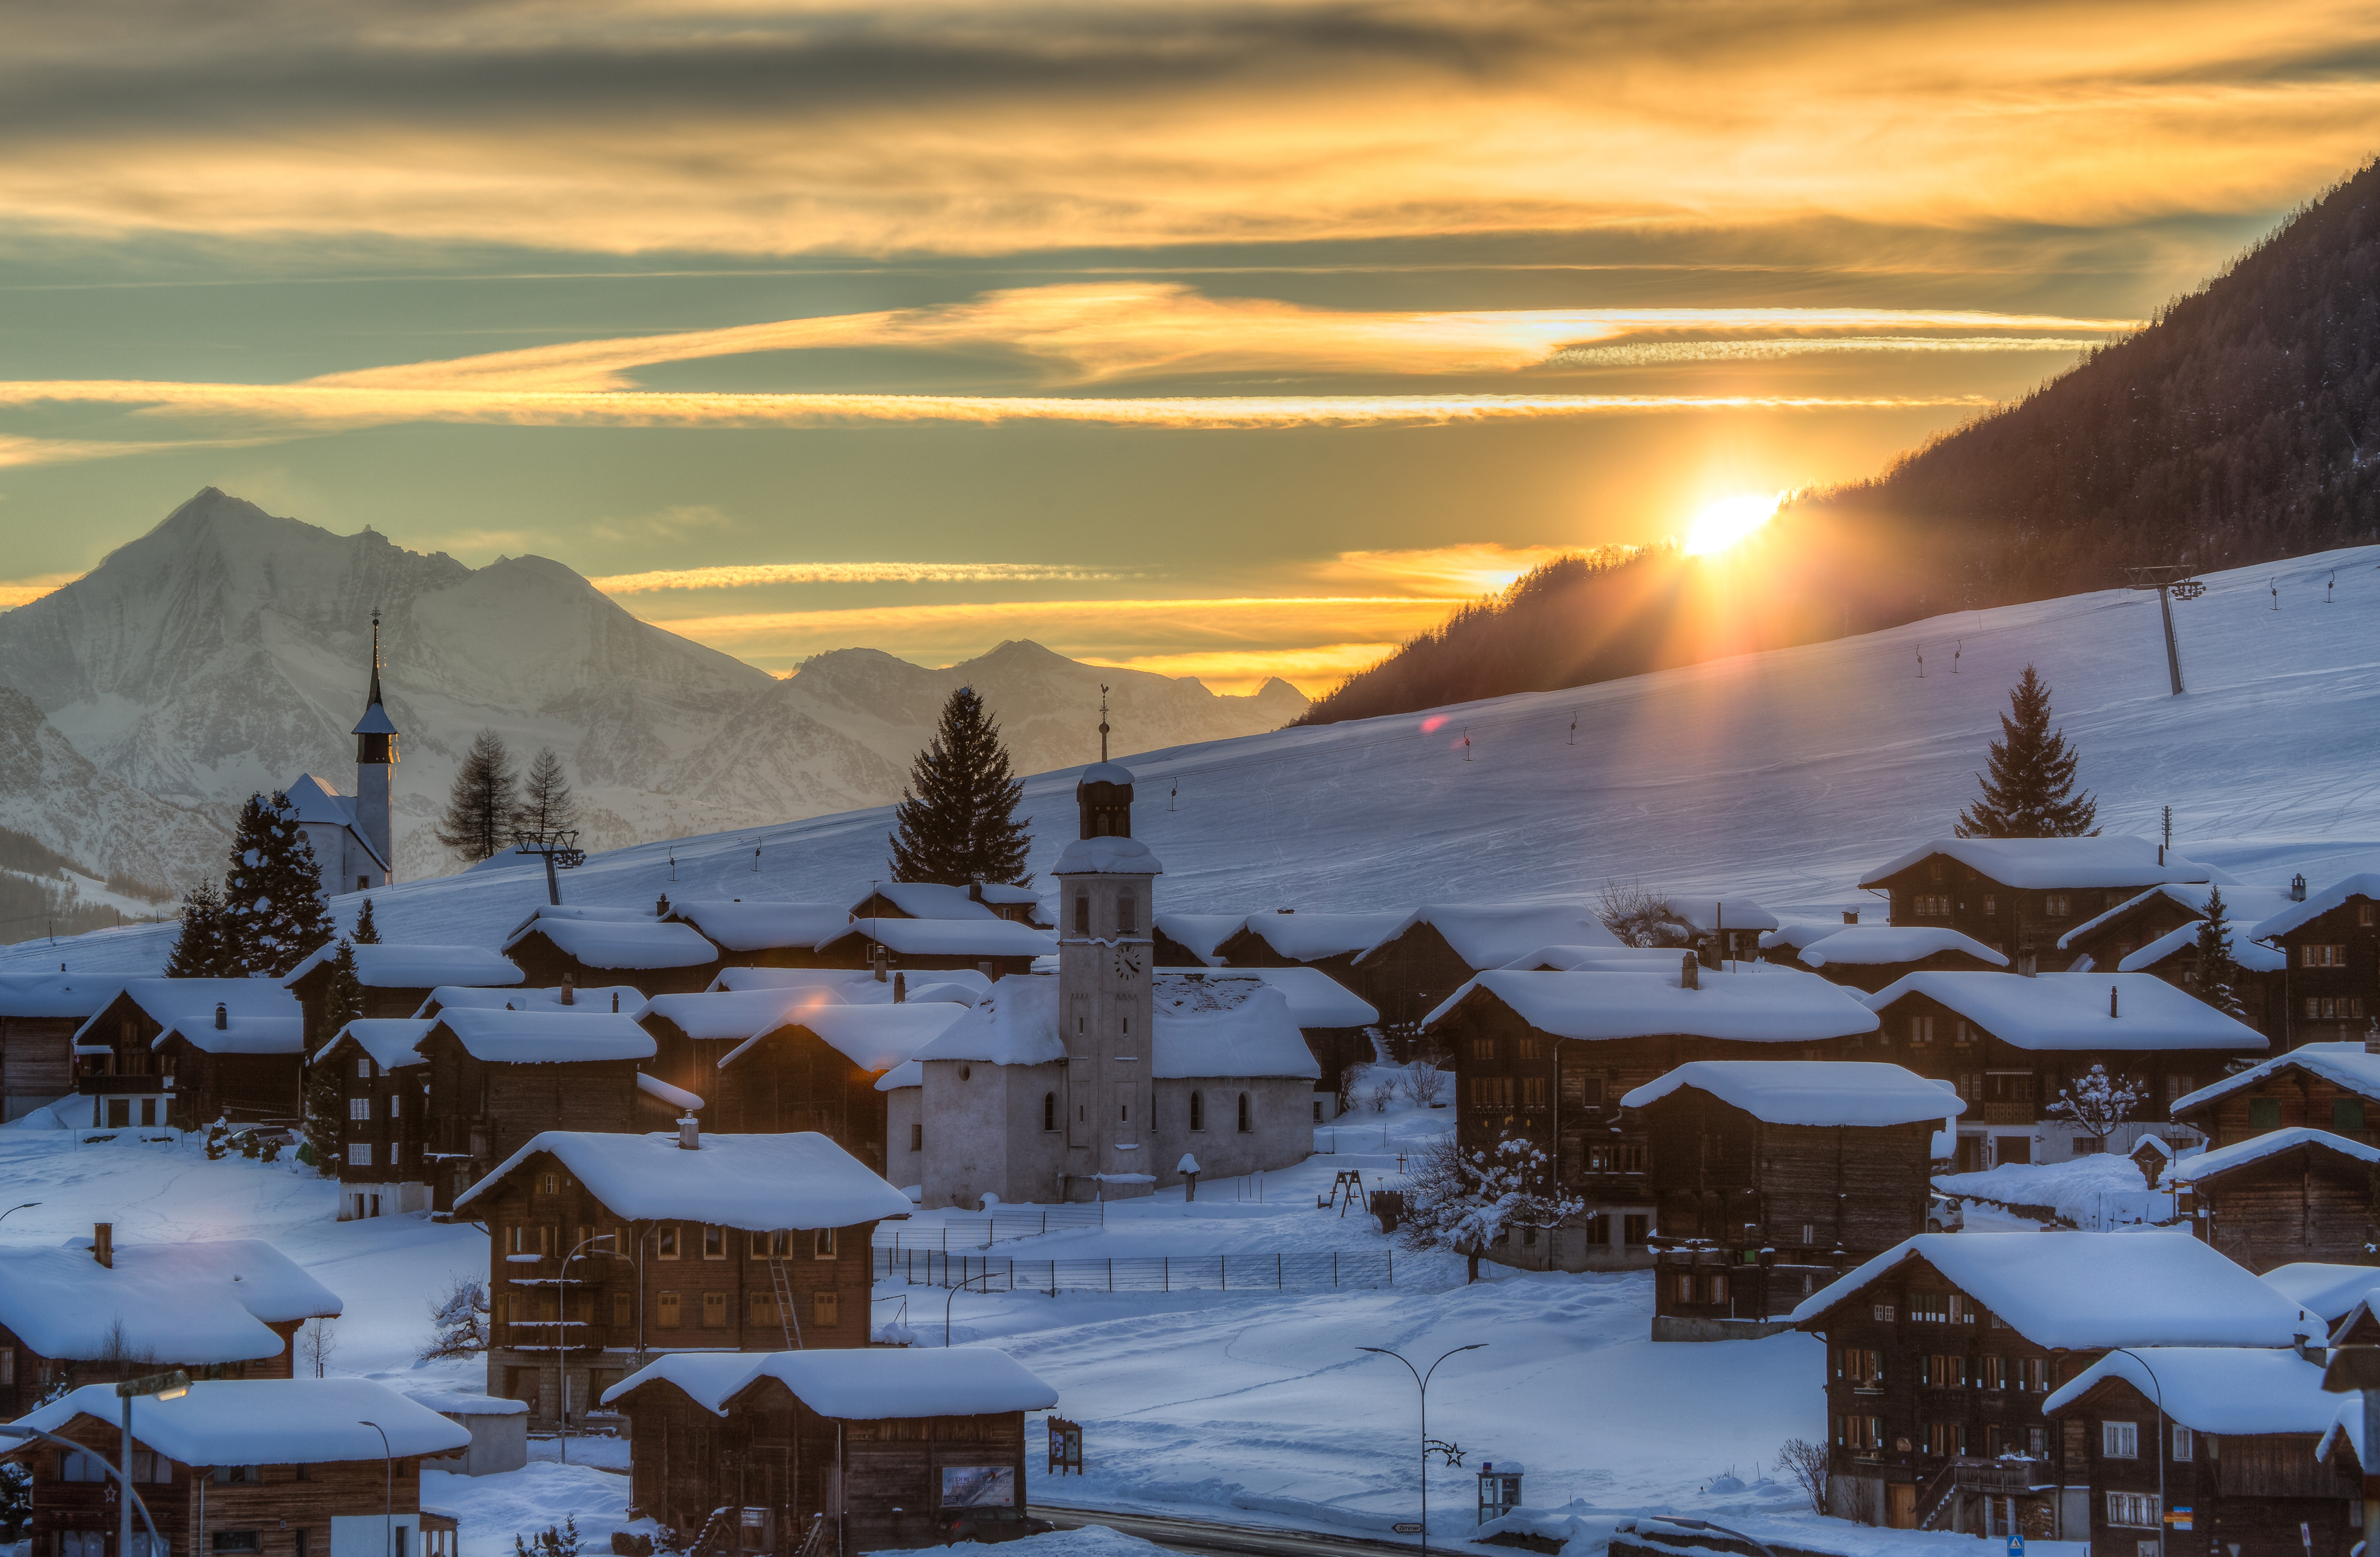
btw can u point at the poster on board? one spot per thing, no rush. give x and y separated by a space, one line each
979 1486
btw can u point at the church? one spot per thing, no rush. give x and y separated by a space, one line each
350 832
1107 1080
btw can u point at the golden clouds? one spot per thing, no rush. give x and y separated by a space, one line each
746 576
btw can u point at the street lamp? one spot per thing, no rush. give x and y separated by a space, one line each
388 1491
562 1307
953 1298
2161 1430
14 1210
1422 1379
165 1386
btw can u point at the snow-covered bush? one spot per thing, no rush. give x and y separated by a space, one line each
1641 918
218 1140
1466 1200
2099 1102
1423 1084
560 1541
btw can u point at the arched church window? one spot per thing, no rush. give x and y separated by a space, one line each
1048 1111
1244 1125
1197 1110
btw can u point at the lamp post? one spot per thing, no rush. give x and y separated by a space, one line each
388 1491
165 1386
2161 1430
14 1210
953 1298
1422 1380
562 1307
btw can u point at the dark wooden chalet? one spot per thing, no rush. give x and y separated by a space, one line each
2240 1432
2015 894
621 946
2174 958
2329 1087
883 1448
1769 1178
39 1013
187 1052
1193 940
498 1079
2010 1044
2290 1196
1434 951
990 945
1337 1024
2330 985
95 1312
2109 937
396 979
383 1163
1870 957
264 1467
935 900
1943 1351
1289 938
763 932
1725 929
1546 1058
681 1242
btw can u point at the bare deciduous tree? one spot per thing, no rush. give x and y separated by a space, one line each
1807 1461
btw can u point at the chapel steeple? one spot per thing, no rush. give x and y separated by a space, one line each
375 735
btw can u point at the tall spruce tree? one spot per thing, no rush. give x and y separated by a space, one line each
481 805
546 803
367 928
324 1100
200 950
273 891
956 822
2029 792
2219 976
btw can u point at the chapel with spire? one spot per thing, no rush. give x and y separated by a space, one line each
350 832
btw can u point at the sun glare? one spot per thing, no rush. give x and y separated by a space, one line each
1730 520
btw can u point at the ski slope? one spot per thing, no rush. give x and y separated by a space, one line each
1778 776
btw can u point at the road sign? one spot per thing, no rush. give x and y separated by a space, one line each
1407 1527
2016 1543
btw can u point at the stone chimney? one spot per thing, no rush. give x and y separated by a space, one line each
2297 887
103 1243
223 1018
569 991
2111 1001
1851 916
900 988
2028 962
661 906
1690 973
616 1003
975 890
690 1133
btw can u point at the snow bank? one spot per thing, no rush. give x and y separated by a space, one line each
757 1183
1223 1026
874 1037
761 926
198 1302
1199 934
2070 1010
2094 1191
1708 916
1761 1005
924 900
2216 1389
2331 1290
854 986
1607 959
676 1097
255 1009
1811 1091
863 1385
551 1037
56 994
1305 937
1867 945
737 1013
1017 1024
2033 864
462 1402
266 1421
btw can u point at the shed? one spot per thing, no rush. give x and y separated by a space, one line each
2283 1198
38 1015
653 956
499 1429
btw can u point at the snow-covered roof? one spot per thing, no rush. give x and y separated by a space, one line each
676 1097
1708 916
2256 1149
758 925
857 986
1609 959
2331 1290
874 1037
1217 1025
2255 958
1105 772
2070 1010
200 1302
760 1184
986 937
2227 1390
1106 857
1316 999
1759 1004
462 1403
642 942
390 965
1199 934
550 1036
1812 1091
1001 892
626 999
1489 935
78 995
738 1013
2345 1065
390 1042
243 1030
908 1073
2034 863
862 1384
317 801
2286 920
2248 903
924 900
1303 937
267 1421
583 911
1867 945
1799 936
168 1002
2085 1290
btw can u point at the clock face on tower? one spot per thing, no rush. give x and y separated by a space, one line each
1127 961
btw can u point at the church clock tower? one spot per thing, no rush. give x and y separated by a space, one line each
375 735
1105 1002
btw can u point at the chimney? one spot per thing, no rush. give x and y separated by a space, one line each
877 957
1690 973
223 1018
616 1003
2160 857
569 991
2111 1001
690 1133
2028 962
1851 916
900 988
975 890
661 906
2297 887
103 1243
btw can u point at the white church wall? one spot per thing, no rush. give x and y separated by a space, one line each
982 1132
904 1143
1280 1133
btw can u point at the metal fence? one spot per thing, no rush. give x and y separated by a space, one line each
1225 1272
982 1232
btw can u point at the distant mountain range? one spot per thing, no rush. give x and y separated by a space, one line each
226 651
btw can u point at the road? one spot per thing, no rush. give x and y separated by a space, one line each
1204 1538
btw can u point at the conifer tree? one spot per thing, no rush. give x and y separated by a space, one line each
546 803
199 949
956 822
325 1101
273 892
367 928
2029 792
481 806
2219 975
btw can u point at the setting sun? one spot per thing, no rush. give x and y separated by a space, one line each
1730 520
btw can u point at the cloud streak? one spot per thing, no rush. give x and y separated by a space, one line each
750 575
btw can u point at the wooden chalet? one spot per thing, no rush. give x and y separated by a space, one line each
2174 958
1725 929
264 1467
2109 938
1769 1178
2336 1295
1192 939
2010 1044
1337 1024
187 1052
936 900
878 1449
991 945
2333 1088
2330 940
1870 957
2289 1196
1288 938
2241 1430
1418 964
763 932
1547 1057
395 979
498 1079
587 946
620 1000
604 1248
383 1164
39 1013
1943 1351
2021 895
95 1312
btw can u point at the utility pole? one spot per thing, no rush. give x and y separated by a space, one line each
2171 582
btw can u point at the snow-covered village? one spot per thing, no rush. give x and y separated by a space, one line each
1353 778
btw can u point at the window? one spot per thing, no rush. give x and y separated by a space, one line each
1527 1049
2346 1114
2036 1443
548 1183
1921 1030
1636 1226
764 1309
772 1245
80 1466
1684 1287
1861 1433
714 1310
1124 921
1944 1372
1809 1235
363 1070
822 1243
358 1109
2032 1375
623 1310
1247 1121
1491 1091
2056 905
1082 914
1932 906
1483 1048
2120 1440
665 1310
666 1239
2333 1008
248 1475
235 1541
1533 1092
2321 956
1863 1368
1933 1307
394 1099
359 1154
1615 1157
1590 1091
2182 1446
917 1136
1946 1438
2367 914
1991 1373
2265 1113
8 1365
1991 905
825 1307
2134 1509
714 1243
1197 1110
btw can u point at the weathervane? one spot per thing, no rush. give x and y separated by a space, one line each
1103 722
